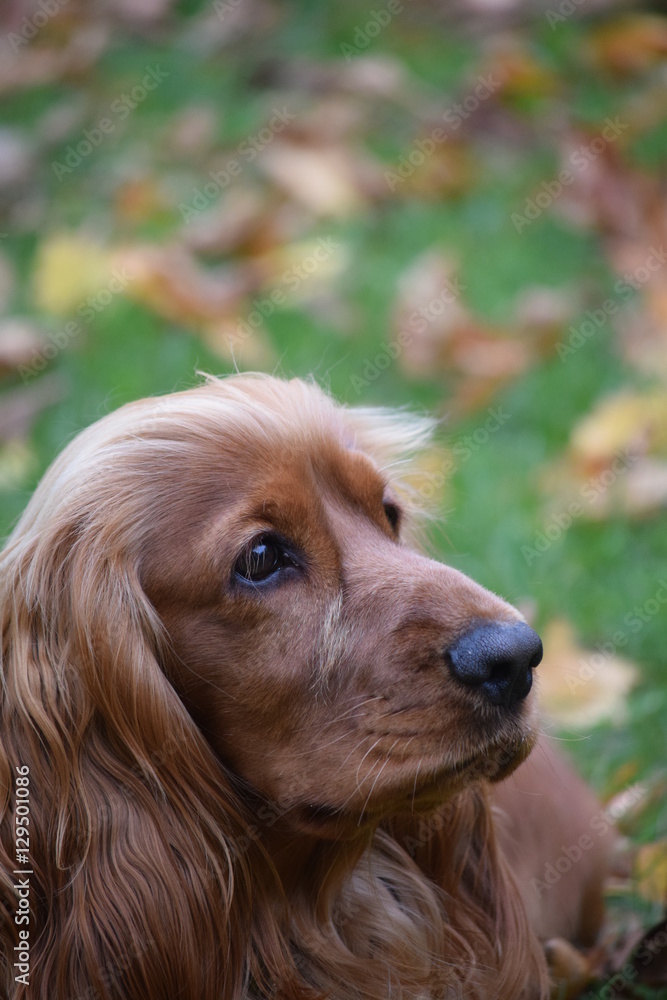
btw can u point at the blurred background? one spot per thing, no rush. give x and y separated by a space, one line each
455 205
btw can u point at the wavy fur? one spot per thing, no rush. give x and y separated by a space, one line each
153 877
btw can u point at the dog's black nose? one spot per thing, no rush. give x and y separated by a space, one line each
498 658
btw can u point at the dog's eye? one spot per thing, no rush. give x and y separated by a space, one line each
263 557
392 514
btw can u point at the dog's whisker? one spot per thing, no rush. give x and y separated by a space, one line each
368 797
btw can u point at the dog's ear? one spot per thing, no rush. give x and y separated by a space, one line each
398 441
141 875
458 848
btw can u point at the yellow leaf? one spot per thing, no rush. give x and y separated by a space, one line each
578 686
651 871
297 272
625 421
69 268
17 464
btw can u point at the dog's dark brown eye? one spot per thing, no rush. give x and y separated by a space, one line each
262 559
392 514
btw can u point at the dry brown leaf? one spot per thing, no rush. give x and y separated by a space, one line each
614 464
20 340
642 331
448 171
630 45
20 407
17 158
192 131
140 199
327 180
581 687
437 335
68 45
171 282
517 69
643 491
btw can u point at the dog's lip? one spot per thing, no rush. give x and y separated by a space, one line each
503 758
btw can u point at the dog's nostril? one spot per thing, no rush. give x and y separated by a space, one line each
498 658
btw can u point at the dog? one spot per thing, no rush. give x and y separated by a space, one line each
253 742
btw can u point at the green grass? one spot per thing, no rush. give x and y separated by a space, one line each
595 573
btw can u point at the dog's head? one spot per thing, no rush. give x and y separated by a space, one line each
336 672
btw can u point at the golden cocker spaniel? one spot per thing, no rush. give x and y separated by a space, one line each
261 743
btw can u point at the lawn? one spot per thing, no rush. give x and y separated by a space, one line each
202 155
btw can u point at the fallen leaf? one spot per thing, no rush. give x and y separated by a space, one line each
18 463
245 346
629 45
20 340
170 281
449 170
581 687
327 180
140 199
68 268
625 422
20 407
437 335
303 270
651 872
17 158
517 69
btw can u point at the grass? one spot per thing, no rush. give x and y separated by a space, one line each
595 573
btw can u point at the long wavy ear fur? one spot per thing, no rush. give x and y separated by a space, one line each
131 825
487 924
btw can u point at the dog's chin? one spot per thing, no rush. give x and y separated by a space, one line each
329 821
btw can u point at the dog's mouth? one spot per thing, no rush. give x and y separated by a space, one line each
493 764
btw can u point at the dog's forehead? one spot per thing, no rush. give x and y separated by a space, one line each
315 469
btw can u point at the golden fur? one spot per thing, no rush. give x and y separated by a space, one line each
241 791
